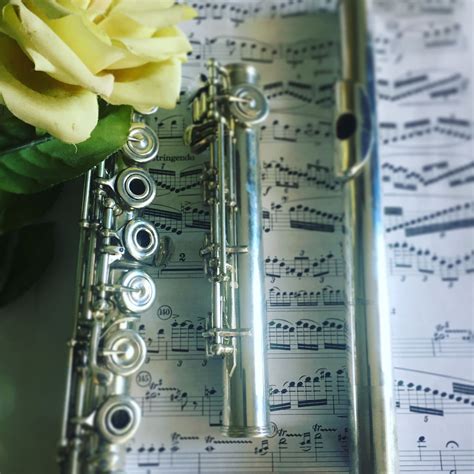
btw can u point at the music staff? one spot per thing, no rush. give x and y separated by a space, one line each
285 217
232 48
305 339
413 398
408 260
421 38
239 12
408 179
420 7
177 181
452 218
423 87
320 93
446 342
304 266
280 217
426 132
323 393
276 129
313 175
326 299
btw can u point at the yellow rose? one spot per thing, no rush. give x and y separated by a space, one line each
57 56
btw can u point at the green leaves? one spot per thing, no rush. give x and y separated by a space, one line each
29 164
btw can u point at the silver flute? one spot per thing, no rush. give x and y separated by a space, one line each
374 437
116 245
225 112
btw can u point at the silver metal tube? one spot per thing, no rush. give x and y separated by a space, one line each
374 439
245 411
225 112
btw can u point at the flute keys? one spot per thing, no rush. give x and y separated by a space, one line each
136 188
142 144
124 352
139 291
141 239
118 418
248 104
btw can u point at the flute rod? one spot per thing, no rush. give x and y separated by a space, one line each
374 439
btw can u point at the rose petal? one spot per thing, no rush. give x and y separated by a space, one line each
66 112
143 5
91 45
166 44
155 84
39 41
146 13
118 25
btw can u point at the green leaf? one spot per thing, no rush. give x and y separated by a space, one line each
26 253
18 210
29 164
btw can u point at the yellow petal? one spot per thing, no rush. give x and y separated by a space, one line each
118 25
91 45
97 8
51 8
166 44
60 61
66 112
144 5
155 84
146 13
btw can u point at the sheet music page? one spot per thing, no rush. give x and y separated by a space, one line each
425 68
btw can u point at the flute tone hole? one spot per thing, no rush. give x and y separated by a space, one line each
137 186
144 238
346 126
120 419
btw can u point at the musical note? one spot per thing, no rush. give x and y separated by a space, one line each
425 132
231 48
174 220
423 87
419 7
295 93
419 38
239 12
177 181
284 217
405 178
307 338
278 174
456 217
303 266
413 398
326 298
446 342
322 393
408 260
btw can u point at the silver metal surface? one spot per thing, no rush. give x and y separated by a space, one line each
225 113
141 239
373 429
106 349
142 144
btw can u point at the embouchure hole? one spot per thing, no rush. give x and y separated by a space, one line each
137 186
346 126
143 238
120 419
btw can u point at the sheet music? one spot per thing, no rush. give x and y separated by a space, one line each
425 68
